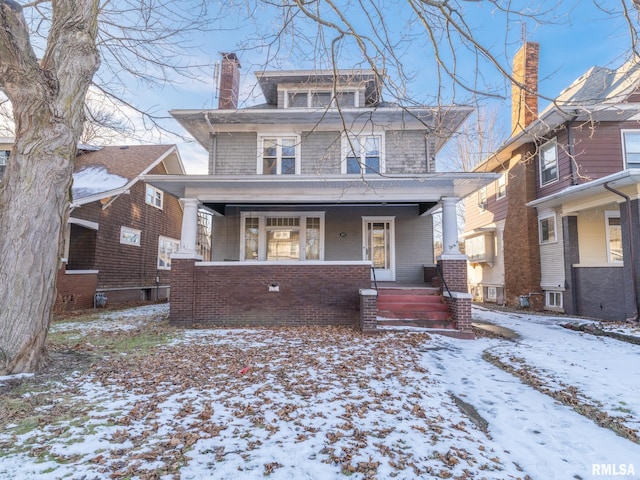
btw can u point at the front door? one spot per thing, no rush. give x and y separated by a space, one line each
378 246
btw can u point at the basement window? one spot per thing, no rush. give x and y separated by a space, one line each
553 299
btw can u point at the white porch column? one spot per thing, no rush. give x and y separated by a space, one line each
449 226
189 233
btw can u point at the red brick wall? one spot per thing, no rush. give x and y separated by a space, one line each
131 266
520 238
238 295
455 274
74 291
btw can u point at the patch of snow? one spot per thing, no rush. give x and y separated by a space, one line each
94 180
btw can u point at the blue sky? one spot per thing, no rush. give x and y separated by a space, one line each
574 36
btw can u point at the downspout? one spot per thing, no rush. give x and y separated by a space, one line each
214 145
634 282
572 150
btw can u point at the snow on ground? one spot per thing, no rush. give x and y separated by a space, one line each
110 320
325 403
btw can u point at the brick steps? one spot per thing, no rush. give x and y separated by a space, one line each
418 307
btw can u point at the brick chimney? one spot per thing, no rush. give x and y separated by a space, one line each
524 105
229 82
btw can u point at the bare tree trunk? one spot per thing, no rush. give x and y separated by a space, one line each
47 98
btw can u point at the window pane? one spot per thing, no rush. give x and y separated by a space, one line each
4 157
251 231
373 165
270 147
298 99
372 146
615 239
548 230
312 248
346 99
288 147
321 99
548 163
632 142
283 245
353 165
288 166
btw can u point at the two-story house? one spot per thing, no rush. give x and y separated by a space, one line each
574 217
317 193
121 231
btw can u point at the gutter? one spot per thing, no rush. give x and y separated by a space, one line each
634 282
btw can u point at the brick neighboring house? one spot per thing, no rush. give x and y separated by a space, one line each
121 231
5 149
308 197
567 235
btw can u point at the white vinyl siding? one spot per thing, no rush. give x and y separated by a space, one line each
552 258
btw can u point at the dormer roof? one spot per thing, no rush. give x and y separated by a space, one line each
269 81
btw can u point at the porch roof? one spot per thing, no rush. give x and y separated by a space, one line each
592 193
330 189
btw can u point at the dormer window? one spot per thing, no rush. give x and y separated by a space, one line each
320 98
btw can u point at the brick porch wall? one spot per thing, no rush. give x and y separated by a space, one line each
454 271
74 290
267 294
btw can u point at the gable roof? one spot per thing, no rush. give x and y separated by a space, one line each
108 171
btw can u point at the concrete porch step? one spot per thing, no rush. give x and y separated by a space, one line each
427 315
413 322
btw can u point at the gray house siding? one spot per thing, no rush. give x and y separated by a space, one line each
413 236
406 151
320 153
237 153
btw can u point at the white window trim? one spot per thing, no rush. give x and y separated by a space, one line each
310 91
358 137
554 142
280 135
155 190
555 229
169 239
624 144
124 231
547 297
483 201
502 181
262 232
607 215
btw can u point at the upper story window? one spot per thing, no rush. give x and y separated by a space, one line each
317 98
4 158
548 162
362 154
278 155
631 145
501 186
547 229
482 199
154 197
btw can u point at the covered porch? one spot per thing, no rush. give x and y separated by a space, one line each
341 235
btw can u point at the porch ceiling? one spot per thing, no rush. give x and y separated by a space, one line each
336 189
